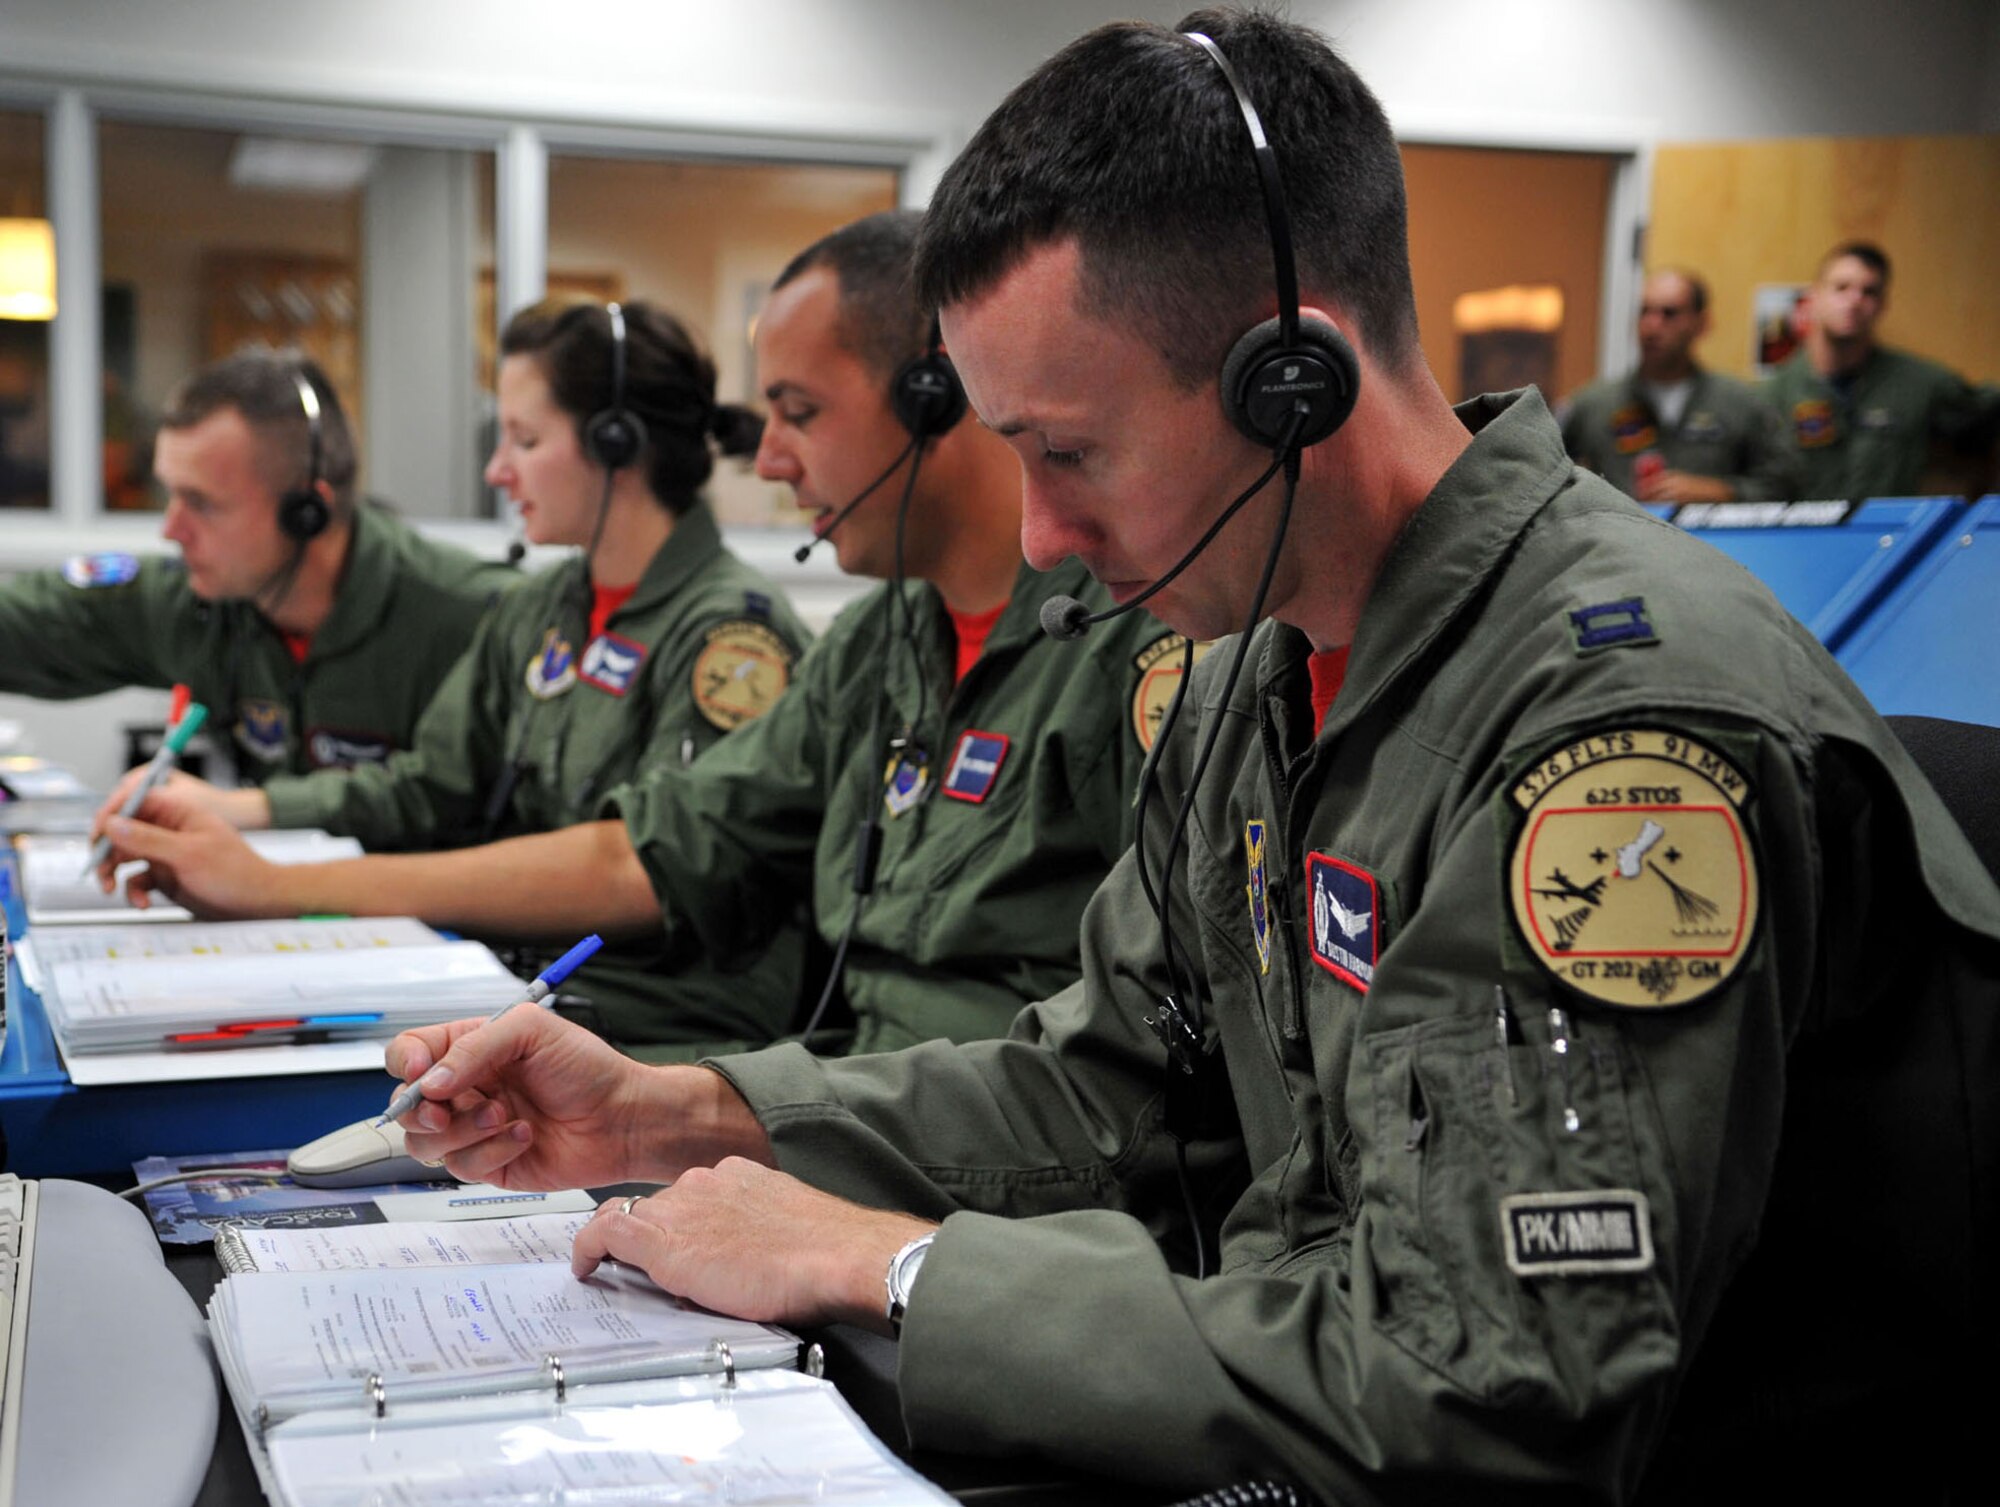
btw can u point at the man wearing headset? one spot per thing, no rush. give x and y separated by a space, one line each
313 628
1551 1028
985 771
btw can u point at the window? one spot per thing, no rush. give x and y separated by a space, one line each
361 253
27 301
705 240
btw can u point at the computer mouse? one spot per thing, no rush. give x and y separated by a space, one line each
360 1155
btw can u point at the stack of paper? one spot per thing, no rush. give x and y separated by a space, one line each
245 984
60 892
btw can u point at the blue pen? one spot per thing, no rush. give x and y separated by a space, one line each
156 771
411 1095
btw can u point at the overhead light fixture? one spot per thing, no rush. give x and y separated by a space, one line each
27 269
291 166
1536 308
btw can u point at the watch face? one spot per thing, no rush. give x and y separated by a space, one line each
903 1273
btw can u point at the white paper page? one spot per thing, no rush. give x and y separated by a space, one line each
159 1065
296 1340
481 1242
58 891
784 1438
125 943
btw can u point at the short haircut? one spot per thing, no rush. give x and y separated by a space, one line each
881 322
263 387
1697 288
1871 256
1130 141
669 386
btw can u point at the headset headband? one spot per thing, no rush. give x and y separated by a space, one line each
1284 269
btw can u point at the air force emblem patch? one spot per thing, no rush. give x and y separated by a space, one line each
553 669
1632 879
905 781
1346 922
1633 429
1254 837
975 766
1813 423
262 728
611 663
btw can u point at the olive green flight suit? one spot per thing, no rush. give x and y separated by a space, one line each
1012 804
533 726
1871 439
1480 1213
1726 431
405 611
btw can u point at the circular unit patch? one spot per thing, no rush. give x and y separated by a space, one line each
1631 877
1159 666
741 670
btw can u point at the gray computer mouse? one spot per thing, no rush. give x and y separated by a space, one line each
360 1155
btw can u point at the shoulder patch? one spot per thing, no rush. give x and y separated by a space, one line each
1631 878
742 668
105 567
1813 423
552 668
1159 665
1633 430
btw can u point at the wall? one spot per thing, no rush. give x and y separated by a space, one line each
1765 212
1670 70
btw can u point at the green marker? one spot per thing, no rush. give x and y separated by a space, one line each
156 771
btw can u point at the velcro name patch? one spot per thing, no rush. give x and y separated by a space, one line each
1346 921
974 767
611 662
1577 1234
332 748
1631 878
109 567
742 669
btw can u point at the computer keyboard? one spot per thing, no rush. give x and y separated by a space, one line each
107 1392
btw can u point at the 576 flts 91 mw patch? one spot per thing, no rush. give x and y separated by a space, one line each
1631 877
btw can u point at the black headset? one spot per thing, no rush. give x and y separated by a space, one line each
303 514
925 393
1290 382
612 436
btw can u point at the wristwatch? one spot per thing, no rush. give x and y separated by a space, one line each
903 1275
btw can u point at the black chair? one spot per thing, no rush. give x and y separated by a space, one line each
1962 762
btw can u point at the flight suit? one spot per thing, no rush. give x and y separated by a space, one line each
1873 441
1726 431
405 611
532 727
1481 1209
1010 801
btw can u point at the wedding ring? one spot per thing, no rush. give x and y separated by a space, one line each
625 1203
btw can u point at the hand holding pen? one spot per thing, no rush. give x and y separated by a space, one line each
162 764
538 992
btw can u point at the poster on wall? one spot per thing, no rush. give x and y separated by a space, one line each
1777 324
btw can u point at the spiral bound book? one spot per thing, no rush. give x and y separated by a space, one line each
510 1382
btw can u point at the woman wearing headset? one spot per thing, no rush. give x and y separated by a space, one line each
645 648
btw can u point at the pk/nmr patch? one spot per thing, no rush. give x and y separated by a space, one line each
1577 1233
1631 877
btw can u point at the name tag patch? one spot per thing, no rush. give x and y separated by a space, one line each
330 748
1581 1234
1346 919
261 728
975 766
611 663
553 669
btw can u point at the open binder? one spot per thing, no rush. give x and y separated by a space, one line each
520 1383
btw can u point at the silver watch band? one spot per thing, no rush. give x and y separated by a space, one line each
902 1275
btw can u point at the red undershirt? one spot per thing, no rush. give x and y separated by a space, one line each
1329 669
605 600
298 645
973 629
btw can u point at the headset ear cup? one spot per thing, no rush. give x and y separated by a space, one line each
927 396
611 438
303 515
1264 381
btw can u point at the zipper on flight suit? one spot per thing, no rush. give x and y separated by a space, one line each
1279 893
